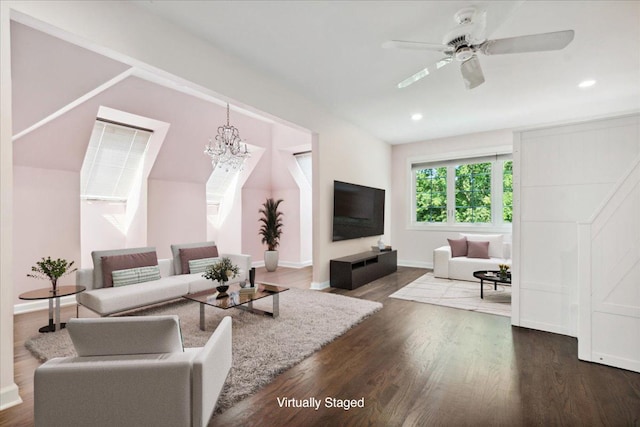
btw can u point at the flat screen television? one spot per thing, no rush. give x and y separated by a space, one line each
358 211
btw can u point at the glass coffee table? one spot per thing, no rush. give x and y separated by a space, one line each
237 299
491 276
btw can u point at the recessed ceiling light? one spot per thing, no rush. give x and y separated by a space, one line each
416 116
586 83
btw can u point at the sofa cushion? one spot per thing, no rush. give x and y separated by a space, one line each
200 265
125 335
125 262
175 251
458 247
496 242
96 256
478 249
135 275
113 300
188 254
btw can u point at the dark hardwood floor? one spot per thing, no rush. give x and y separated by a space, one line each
416 365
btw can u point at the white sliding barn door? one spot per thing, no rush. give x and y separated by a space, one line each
609 277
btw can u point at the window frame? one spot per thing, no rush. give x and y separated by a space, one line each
495 157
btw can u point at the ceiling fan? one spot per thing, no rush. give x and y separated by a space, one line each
468 38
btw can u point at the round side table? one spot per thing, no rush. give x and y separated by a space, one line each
54 300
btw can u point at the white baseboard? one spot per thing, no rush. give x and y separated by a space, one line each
546 327
9 396
416 264
30 306
286 264
320 286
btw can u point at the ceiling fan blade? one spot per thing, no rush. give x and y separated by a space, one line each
533 43
403 44
472 72
424 73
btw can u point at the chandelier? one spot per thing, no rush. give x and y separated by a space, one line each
227 150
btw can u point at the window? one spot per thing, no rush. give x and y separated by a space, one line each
219 183
304 162
113 161
475 191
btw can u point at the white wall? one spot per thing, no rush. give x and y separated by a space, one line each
9 395
565 174
415 246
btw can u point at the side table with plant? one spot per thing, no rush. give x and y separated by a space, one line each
52 270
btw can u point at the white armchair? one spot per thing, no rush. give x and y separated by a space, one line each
132 371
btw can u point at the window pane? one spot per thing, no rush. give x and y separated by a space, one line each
507 191
473 193
112 161
431 195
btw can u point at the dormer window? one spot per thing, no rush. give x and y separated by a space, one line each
113 161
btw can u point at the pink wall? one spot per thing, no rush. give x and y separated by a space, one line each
46 222
102 227
176 214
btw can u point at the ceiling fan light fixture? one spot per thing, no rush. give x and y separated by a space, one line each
586 83
415 117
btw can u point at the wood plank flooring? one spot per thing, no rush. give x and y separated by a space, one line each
415 365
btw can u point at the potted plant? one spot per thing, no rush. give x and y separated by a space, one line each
48 269
221 272
271 230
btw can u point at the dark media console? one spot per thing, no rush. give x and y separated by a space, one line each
356 270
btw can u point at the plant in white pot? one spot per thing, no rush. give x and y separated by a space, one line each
271 230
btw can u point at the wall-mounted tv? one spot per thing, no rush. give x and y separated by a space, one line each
358 211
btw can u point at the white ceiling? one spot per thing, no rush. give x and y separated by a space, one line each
330 51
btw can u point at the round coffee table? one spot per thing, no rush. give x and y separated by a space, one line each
491 276
54 299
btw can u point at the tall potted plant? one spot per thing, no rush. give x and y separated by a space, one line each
271 230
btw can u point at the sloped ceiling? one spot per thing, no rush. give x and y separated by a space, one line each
61 142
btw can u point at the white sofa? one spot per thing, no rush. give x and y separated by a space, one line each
462 268
109 300
132 371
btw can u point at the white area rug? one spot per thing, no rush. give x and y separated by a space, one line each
263 347
458 294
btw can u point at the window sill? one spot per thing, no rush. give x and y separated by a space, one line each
473 228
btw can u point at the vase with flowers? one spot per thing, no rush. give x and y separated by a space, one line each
503 271
52 270
221 272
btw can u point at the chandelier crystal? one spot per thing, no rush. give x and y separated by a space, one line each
228 150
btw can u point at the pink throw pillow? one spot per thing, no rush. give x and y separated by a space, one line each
187 254
477 249
458 247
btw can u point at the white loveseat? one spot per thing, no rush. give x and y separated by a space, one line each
462 267
132 371
171 285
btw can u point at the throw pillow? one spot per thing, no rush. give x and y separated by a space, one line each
496 242
200 265
458 247
135 275
187 254
477 249
124 262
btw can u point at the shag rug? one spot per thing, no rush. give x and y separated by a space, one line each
262 346
458 294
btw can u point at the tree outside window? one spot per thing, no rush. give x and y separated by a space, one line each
452 193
